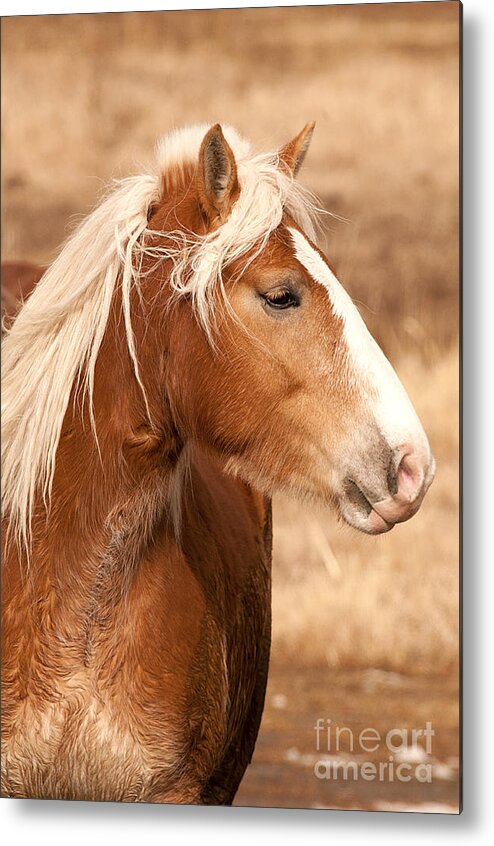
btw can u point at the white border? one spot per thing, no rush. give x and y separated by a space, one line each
60 7
73 823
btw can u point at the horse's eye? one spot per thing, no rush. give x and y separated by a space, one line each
281 298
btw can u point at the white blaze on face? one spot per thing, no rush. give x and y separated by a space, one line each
392 410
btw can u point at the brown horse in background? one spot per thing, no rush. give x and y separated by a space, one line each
17 281
189 353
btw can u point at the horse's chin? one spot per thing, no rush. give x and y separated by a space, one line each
367 521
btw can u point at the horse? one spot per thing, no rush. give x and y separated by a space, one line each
17 281
188 353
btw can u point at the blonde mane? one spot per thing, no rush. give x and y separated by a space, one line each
55 340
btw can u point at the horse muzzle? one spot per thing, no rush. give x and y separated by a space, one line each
408 478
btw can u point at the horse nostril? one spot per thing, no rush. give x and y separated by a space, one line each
409 477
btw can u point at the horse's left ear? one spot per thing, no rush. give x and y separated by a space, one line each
293 153
217 182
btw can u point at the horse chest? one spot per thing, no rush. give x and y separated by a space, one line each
84 746
136 735
150 697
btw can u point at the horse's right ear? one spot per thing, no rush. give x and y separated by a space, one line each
217 181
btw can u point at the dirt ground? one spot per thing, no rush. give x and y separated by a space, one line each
287 771
365 630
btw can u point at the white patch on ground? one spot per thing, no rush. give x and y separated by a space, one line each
374 679
279 701
443 772
412 755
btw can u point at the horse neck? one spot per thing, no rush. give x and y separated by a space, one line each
111 482
110 491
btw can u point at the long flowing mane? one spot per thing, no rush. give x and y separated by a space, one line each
56 337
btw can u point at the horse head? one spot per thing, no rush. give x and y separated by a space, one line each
271 364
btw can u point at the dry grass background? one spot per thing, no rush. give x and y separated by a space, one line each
84 99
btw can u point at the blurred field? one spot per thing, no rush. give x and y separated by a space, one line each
86 96
84 99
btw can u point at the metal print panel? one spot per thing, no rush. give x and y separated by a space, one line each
230 407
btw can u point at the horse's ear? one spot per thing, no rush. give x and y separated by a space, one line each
293 154
217 176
